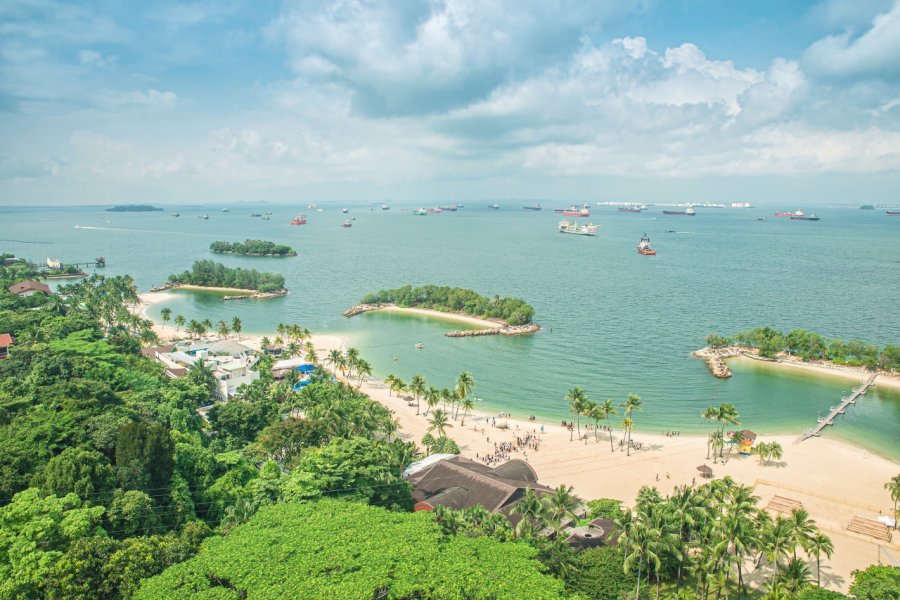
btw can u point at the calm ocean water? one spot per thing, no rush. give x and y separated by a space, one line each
614 321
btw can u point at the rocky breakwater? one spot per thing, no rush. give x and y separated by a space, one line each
258 295
502 330
715 359
361 308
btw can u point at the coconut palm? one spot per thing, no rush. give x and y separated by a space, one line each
560 505
335 358
292 349
593 411
465 383
893 486
417 386
439 422
717 442
179 322
236 325
609 410
637 543
777 537
532 511
803 529
264 343
632 403
310 356
363 369
389 381
352 359
710 414
762 450
627 425
794 576
819 544
222 329
775 451
576 399
165 314
467 404
432 397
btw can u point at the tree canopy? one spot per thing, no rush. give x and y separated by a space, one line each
514 311
212 274
252 248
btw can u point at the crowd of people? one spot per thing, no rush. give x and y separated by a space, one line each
502 450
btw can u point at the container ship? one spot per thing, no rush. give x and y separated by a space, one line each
644 247
801 217
576 229
299 220
688 212
632 209
893 213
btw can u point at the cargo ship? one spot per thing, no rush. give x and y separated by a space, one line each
644 247
573 211
576 229
451 208
299 220
796 213
688 212
532 207
346 224
893 213
632 209
495 206
801 217
434 211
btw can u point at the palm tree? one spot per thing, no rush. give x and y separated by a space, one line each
363 369
710 414
438 422
335 358
179 322
559 505
728 415
532 511
165 314
803 529
311 357
417 387
762 450
632 403
222 329
775 451
465 383
717 441
432 397
819 544
292 349
467 404
593 411
264 343
236 325
893 486
627 425
576 399
794 576
609 410
776 539
389 381
637 542
352 359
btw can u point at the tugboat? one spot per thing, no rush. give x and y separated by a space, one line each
175 214
576 229
344 210
532 207
688 212
495 206
385 207
644 247
346 224
802 217
204 217
299 220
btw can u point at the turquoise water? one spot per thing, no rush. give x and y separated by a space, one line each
614 321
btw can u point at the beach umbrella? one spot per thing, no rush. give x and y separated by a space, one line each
705 470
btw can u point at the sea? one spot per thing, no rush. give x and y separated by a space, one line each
613 321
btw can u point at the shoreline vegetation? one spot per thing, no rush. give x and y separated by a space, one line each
252 248
496 316
212 276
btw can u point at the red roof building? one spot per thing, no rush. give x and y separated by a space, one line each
6 341
28 287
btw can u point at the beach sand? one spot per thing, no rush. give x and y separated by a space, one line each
449 316
857 374
835 481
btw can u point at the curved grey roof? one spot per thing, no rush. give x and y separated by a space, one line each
518 470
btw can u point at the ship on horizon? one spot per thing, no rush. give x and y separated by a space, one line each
644 246
688 212
802 217
575 229
532 207
299 220
796 213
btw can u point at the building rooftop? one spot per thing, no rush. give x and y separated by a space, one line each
6 340
28 286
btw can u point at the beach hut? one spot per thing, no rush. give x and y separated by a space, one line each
747 439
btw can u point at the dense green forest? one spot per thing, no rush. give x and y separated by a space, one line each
213 274
252 248
812 346
512 310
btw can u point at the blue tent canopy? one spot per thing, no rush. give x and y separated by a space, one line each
306 368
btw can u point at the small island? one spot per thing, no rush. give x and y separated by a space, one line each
798 348
247 283
493 316
252 248
133 208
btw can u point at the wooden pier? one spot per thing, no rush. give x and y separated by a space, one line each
838 410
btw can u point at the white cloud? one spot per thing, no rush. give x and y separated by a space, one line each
875 53
150 99
636 47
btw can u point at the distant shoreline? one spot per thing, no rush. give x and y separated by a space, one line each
486 326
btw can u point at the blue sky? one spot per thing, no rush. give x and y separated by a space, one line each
648 100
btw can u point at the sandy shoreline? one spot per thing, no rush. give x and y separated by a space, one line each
437 314
857 374
203 288
834 480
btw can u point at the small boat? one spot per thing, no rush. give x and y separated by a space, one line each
266 217
495 206
576 229
419 345
420 212
311 206
867 207
810 217
671 231
796 213
175 214
532 207
434 210
299 220
688 212
644 247
344 210
255 215
460 206
226 210
762 219
204 217
892 213
346 224
385 207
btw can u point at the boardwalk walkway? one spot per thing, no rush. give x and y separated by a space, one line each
837 410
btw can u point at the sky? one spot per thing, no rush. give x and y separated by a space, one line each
652 100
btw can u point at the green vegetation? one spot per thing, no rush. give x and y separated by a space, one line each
133 208
449 299
811 346
333 549
207 273
252 248
878 582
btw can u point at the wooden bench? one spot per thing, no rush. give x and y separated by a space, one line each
870 527
783 505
